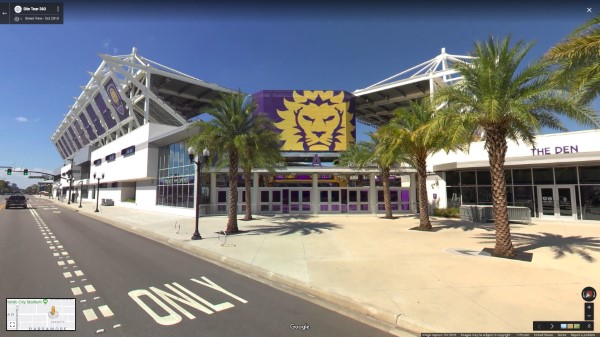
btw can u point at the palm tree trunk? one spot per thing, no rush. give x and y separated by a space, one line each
232 226
425 224
385 177
496 147
247 183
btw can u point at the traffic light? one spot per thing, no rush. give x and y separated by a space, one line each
8 171
25 172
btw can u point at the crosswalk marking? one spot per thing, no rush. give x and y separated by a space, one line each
70 261
68 274
61 263
105 310
55 254
78 273
65 253
76 291
90 315
90 288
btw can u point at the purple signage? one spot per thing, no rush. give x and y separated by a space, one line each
87 127
74 138
556 150
80 133
95 120
116 100
104 111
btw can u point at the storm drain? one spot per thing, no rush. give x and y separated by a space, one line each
464 251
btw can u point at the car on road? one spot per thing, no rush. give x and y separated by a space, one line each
16 201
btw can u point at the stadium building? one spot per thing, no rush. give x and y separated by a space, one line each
124 140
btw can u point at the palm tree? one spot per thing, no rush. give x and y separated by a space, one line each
578 60
506 104
364 154
262 148
407 133
227 135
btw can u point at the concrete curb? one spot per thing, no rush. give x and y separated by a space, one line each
382 319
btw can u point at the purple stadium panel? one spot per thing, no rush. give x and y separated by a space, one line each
95 119
104 111
88 128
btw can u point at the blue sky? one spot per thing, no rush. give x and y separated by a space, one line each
309 45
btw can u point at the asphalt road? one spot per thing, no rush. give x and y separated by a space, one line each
126 285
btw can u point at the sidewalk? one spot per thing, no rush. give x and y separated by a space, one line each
411 281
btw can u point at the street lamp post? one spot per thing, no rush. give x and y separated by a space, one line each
201 159
80 195
70 177
98 189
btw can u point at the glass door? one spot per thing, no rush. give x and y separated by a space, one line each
557 202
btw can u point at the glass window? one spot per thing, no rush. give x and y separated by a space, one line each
590 202
467 178
295 196
364 196
222 197
264 196
566 175
484 178
324 196
276 196
543 176
508 177
352 196
509 195
589 175
484 195
523 196
452 178
469 196
305 196
335 196
380 197
453 195
522 177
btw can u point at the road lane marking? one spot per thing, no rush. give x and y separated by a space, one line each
48 241
76 291
61 263
170 319
52 247
99 331
89 288
55 254
90 315
116 326
67 274
65 253
214 286
97 297
70 262
60 247
105 311
78 273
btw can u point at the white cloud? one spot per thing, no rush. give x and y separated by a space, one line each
21 119
106 43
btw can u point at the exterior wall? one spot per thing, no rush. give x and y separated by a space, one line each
140 165
145 194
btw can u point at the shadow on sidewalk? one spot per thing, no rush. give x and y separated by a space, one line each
560 245
469 226
287 227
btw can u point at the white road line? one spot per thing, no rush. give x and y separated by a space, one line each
116 326
54 237
97 297
55 254
78 273
52 247
76 291
105 311
48 241
68 274
61 263
65 253
89 288
70 262
71 281
83 301
90 315
60 247
84 279
99 331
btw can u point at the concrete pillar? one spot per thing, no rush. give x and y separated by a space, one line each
413 193
314 194
255 193
213 193
372 193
